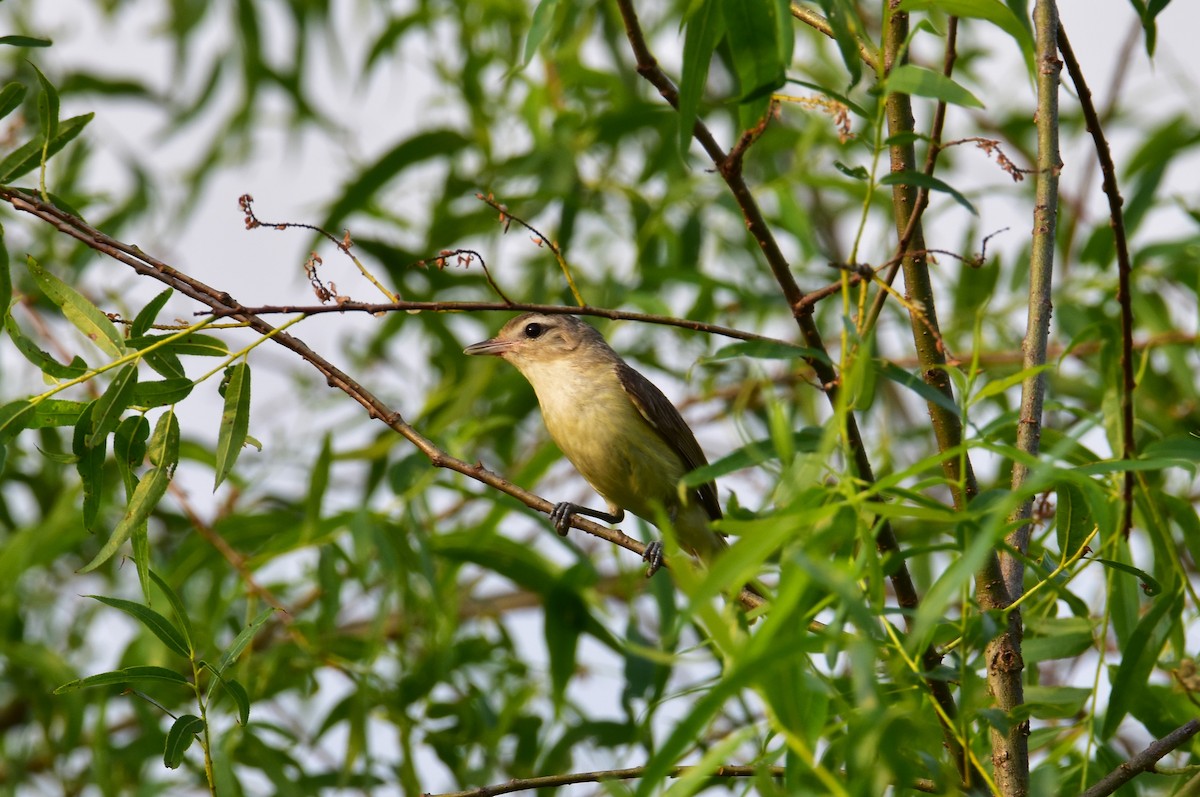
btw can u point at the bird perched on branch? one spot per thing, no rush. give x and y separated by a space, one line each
618 430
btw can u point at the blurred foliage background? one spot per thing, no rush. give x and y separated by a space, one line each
336 616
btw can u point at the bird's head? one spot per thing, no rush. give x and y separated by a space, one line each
536 340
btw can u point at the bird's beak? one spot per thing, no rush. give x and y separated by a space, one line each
495 347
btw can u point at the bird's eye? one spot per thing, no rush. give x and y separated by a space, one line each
534 330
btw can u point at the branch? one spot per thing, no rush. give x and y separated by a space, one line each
1124 267
224 304
1143 761
947 426
551 781
457 307
885 539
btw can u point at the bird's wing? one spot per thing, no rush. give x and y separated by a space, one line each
662 416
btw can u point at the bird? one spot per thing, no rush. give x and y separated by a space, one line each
621 433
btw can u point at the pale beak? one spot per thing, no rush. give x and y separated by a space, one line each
494 347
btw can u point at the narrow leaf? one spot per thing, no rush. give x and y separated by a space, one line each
86 317
128 675
6 288
539 26
24 41
917 385
28 156
14 416
185 625
160 393
752 32
158 625
43 360
1141 655
146 496
704 29
928 182
89 463
235 420
146 316
179 738
112 404
922 82
56 412
243 640
11 97
164 443
48 106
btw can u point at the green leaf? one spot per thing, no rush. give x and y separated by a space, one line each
43 360
160 393
241 642
28 156
6 288
755 453
89 463
193 344
112 404
164 443
128 675
921 82
1073 520
235 420
752 31
129 440
146 316
14 416
47 106
847 28
11 97
24 41
764 350
238 692
1057 638
158 625
994 11
1001 385
1149 584
705 26
922 180
146 496
179 738
57 412
539 26
1140 657
917 385
86 317
185 625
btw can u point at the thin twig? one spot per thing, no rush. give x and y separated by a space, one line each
1124 268
516 307
541 240
1143 761
552 781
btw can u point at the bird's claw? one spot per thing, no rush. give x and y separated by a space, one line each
561 516
653 556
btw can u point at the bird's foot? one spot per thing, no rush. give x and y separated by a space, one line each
561 516
653 556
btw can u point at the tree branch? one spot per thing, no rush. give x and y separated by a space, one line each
224 304
1143 761
1124 268
756 225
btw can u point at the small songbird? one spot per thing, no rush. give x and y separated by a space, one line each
618 430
